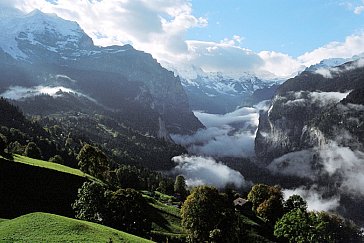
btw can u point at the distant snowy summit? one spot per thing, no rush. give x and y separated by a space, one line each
333 62
219 92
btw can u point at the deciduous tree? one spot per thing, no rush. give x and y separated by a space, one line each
90 202
300 226
340 230
93 161
127 210
33 151
206 214
295 202
124 209
267 201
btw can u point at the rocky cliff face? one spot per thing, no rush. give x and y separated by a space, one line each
314 131
39 49
306 110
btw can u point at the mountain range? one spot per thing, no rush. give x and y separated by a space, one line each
39 50
220 93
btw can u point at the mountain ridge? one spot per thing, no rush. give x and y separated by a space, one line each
43 49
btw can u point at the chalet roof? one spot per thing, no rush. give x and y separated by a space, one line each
240 201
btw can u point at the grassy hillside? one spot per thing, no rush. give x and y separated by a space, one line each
49 165
28 185
166 219
43 227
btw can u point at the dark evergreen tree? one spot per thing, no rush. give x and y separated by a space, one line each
3 144
180 187
57 159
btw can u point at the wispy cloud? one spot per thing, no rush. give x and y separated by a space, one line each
202 170
225 56
336 162
330 72
314 198
347 163
359 9
295 163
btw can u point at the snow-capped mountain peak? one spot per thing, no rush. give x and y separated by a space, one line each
39 22
21 32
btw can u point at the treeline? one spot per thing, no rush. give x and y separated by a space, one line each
21 134
207 215
210 216
61 141
125 137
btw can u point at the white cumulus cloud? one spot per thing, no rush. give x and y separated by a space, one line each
353 45
154 26
160 28
225 56
359 9
280 64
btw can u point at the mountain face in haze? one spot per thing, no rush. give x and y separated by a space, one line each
220 93
39 52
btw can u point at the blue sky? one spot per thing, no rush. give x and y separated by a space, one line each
289 26
262 37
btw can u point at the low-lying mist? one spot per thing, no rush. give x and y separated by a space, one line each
207 171
19 92
228 135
